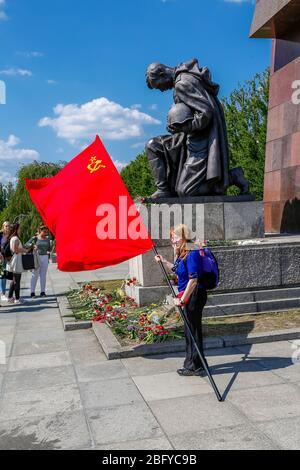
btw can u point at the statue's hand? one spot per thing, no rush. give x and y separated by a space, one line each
186 128
172 129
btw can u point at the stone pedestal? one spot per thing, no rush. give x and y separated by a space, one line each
218 218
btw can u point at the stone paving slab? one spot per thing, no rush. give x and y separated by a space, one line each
123 423
37 347
87 356
169 385
161 443
243 375
267 403
196 413
284 432
34 361
101 371
244 437
6 330
41 402
38 334
109 393
56 431
149 365
33 379
81 339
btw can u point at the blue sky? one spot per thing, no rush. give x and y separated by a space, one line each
75 68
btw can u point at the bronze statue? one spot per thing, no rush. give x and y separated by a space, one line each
193 160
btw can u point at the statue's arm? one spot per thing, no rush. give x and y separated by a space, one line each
190 95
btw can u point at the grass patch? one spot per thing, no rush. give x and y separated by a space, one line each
255 323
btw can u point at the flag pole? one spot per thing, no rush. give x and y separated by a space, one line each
183 316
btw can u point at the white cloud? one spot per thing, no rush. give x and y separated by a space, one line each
51 82
3 15
119 165
112 121
136 106
13 72
153 107
6 177
138 145
10 151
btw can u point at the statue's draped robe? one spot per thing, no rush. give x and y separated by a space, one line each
197 163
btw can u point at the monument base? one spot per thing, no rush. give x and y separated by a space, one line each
253 278
219 220
200 199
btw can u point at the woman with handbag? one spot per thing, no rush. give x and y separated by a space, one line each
15 265
43 246
4 235
192 295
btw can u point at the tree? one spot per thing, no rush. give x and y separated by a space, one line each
246 112
2 197
138 177
19 206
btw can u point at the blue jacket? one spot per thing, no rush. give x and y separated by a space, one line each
190 268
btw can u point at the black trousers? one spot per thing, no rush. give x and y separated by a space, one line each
193 311
15 286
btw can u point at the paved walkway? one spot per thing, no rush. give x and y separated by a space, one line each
58 391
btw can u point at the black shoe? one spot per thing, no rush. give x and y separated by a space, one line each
185 372
237 178
43 294
161 194
32 295
189 372
200 372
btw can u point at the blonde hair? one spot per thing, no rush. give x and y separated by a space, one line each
182 231
5 223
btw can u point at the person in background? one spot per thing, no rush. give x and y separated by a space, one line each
42 243
192 295
4 234
15 265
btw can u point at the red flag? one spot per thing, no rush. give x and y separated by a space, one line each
90 212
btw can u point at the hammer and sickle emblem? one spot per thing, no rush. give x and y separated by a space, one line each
95 165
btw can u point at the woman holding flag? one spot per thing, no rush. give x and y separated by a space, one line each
192 295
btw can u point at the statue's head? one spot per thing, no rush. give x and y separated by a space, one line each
160 77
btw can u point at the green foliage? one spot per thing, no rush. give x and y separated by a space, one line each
6 191
138 177
246 112
19 204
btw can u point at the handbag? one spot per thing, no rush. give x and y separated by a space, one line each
8 275
28 262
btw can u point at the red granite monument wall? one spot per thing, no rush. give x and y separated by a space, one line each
282 166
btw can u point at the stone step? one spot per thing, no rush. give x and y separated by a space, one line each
237 303
253 296
251 307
